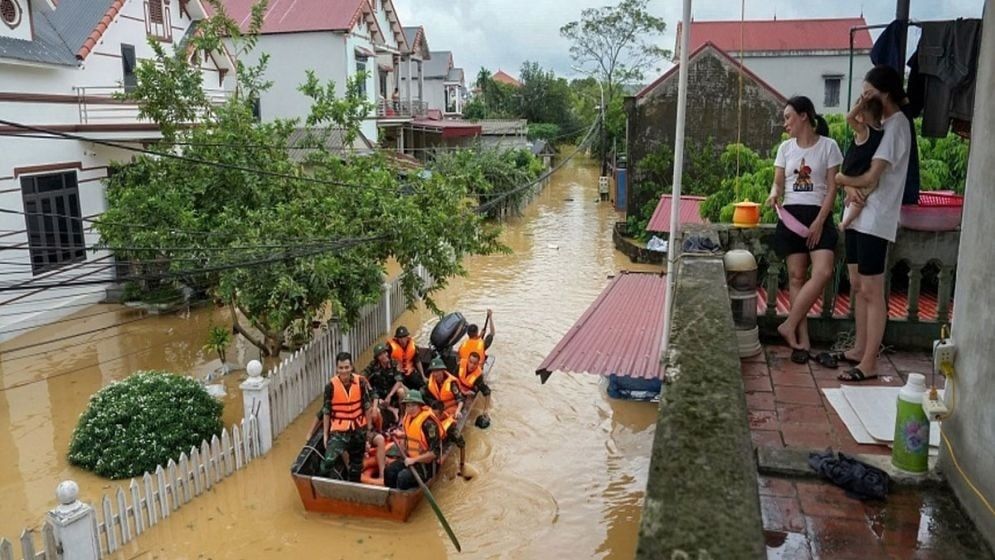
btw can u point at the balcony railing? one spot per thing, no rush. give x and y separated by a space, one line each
99 104
400 109
919 281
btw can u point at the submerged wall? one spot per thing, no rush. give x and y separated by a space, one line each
702 497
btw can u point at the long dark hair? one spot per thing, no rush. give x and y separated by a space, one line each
804 105
887 80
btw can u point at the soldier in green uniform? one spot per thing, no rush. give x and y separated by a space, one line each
386 380
345 417
419 437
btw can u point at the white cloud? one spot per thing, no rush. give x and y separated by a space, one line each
504 33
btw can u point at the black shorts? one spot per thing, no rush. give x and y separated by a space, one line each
787 242
868 252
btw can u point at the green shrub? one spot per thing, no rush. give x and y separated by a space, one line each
133 425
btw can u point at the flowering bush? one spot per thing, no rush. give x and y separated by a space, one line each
133 425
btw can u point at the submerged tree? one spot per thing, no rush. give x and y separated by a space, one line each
282 240
615 45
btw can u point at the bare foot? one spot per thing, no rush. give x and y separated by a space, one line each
788 335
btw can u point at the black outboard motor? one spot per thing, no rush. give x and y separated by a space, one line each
445 335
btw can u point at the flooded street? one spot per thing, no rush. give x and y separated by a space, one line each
560 472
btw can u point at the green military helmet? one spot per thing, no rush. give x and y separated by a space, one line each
380 349
413 396
437 364
401 332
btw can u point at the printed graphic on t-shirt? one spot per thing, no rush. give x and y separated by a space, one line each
803 178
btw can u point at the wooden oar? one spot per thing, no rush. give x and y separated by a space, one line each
435 508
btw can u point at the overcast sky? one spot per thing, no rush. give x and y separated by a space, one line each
501 34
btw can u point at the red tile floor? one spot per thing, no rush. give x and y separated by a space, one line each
807 518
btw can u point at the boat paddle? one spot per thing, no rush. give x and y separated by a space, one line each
436 509
433 503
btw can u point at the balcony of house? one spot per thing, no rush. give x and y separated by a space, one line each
103 106
400 109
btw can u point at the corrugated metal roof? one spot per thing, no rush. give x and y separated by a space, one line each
288 16
689 213
620 333
779 35
333 140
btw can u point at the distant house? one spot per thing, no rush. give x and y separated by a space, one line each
712 112
503 77
445 85
544 151
809 57
337 39
505 134
61 63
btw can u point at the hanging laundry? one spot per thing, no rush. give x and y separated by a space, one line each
947 61
887 49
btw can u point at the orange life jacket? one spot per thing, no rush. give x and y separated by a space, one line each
415 442
447 422
470 346
347 405
404 355
466 380
445 392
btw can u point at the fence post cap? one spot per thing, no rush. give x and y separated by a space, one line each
67 492
254 368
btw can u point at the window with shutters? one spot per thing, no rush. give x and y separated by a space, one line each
53 220
833 91
157 20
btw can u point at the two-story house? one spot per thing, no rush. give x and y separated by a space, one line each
445 85
60 64
338 40
809 57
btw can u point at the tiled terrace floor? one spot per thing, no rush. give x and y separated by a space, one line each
810 519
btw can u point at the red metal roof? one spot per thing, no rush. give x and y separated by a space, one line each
288 16
621 333
450 128
779 35
689 213
705 48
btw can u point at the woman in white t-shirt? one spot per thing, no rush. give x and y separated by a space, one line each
805 176
875 227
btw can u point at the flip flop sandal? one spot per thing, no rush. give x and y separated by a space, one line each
827 360
800 356
841 357
855 375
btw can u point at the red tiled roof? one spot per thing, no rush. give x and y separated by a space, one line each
710 47
450 128
503 77
689 212
621 333
289 16
779 35
98 31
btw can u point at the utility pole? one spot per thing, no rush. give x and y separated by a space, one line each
604 132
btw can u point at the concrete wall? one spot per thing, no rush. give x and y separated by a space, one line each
702 498
435 93
805 75
713 89
971 430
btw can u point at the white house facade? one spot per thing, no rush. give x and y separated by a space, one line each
60 65
808 57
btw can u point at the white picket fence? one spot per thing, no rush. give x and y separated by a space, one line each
120 518
301 377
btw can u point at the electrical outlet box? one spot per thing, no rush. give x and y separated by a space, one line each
935 409
944 352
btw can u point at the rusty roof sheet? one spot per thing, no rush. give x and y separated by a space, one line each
688 213
621 333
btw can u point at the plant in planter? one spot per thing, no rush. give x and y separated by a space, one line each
131 426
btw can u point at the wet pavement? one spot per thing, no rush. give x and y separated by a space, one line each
811 519
560 473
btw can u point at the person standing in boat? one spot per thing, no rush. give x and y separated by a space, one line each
478 341
345 416
420 438
386 380
404 351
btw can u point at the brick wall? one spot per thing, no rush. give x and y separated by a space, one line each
713 90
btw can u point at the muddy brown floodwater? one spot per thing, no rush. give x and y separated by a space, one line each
560 472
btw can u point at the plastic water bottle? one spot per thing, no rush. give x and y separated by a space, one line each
911 450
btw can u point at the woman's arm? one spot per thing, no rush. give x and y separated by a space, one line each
777 189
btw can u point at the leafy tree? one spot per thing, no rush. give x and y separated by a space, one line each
615 45
281 243
543 131
545 98
489 173
131 426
